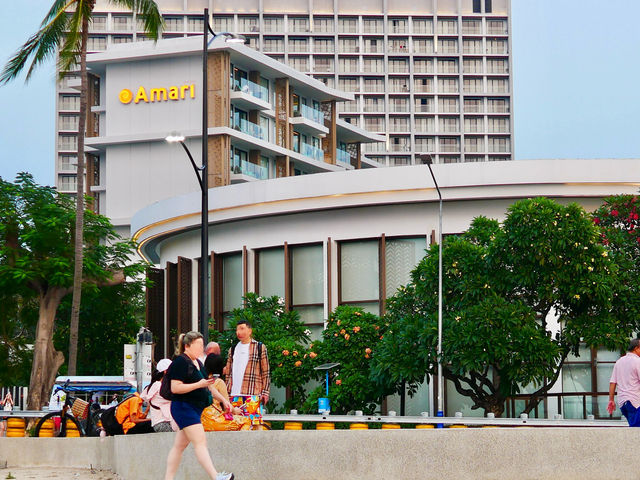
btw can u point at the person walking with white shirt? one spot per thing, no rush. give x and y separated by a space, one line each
626 378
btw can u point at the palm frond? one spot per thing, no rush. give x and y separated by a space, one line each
150 13
41 44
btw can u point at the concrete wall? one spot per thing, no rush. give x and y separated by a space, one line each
523 453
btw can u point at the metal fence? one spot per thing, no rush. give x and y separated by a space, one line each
19 395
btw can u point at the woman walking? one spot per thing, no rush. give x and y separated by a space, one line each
190 396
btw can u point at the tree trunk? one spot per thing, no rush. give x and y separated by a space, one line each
79 237
46 360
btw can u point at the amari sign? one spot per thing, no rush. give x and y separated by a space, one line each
154 95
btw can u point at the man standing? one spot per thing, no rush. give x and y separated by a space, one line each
248 365
626 376
212 347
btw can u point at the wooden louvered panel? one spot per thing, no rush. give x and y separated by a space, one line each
185 299
155 311
172 309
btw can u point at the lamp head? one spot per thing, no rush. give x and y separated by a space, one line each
174 137
426 159
232 37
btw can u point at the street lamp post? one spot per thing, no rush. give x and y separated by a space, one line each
428 159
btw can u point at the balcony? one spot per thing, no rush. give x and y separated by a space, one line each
252 129
311 151
249 95
242 168
343 157
309 120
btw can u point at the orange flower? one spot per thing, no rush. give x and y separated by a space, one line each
313 354
295 354
347 336
381 337
298 363
335 334
376 327
285 352
279 364
343 331
366 356
338 323
357 313
367 351
356 329
338 382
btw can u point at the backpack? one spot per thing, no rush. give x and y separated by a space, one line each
108 418
165 386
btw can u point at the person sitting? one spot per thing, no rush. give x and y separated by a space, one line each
214 417
160 413
132 415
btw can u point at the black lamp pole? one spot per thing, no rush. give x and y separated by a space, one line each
204 186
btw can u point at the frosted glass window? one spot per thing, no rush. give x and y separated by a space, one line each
401 256
232 282
359 271
307 271
271 272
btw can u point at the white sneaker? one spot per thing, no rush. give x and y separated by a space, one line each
224 476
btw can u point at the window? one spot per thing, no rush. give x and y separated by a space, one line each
497 66
399 144
496 27
425 144
352 120
499 144
423 65
323 45
349 84
96 44
307 284
67 183
360 274
473 158
498 125
270 272
423 85
298 45
195 24
472 65
348 25
497 85
472 46
121 39
328 81
448 105
449 144
423 45
399 161
447 45
272 44
398 104
473 85
67 142
471 27
447 65
473 144
122 23
498 105
372 25
401 257
397 25
473 105
69 102
324 64
299 63
373 45
399 84
245 24
67 163
68 122
398 65
374 124
487 6
473 124
496 46
174 24
224 23
375 85
373 65
348 45
374 104
323 25
349 106
398 45
423 25
447 85
348 64
449 125
423 104
424 124
273 25
98 23
399 124
231 284
448 27
476 6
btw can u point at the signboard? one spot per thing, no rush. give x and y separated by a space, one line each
130 364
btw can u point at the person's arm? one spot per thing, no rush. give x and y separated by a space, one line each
611 406
227 371
179 387
266 375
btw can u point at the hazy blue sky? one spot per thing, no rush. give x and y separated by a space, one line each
576 70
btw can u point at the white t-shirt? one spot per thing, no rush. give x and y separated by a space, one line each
240 361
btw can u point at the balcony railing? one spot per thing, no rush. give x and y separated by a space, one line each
312 114
247 168
399 148
255 90
311 151
252 129
342 156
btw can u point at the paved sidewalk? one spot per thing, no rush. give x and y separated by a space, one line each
40 473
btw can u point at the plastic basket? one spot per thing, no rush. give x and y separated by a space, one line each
80 409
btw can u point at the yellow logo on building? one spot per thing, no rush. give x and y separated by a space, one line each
157 94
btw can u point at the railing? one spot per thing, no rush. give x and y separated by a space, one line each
372 50
252 129
418 68
589 405
419 88
399 107
398 49
247 168
473 108
498 109
19 395
419 108
399 148
312 114
311 151
255 90
342 156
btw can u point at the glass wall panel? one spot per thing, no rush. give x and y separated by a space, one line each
359 271
401 256
271 272
307 275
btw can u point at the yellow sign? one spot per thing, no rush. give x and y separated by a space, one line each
157 94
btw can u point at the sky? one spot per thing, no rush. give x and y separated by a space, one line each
576 65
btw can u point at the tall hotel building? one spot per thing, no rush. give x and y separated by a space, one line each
432 76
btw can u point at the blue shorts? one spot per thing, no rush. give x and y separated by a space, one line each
631 413
185 414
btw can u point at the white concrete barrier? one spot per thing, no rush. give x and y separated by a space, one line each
496 453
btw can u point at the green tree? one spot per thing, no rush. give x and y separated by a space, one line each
65 29
351 339
286 339
110 317
37 253
502 284
18 317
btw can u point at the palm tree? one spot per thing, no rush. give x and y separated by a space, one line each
65 29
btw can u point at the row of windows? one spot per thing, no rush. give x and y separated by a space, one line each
445 125
401 160
444 144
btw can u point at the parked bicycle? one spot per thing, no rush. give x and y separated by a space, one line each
77 418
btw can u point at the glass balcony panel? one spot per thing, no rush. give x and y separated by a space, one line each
343 156
247 86
311 151
252 129
244 167
312 114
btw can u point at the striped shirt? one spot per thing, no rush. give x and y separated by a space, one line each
257 377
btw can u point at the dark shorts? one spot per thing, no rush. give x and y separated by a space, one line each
631 413
185 414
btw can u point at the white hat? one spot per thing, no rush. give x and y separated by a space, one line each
163 364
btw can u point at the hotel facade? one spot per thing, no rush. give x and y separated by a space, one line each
431 77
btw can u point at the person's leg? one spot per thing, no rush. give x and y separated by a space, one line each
3 427
175 455
195 434
631 413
